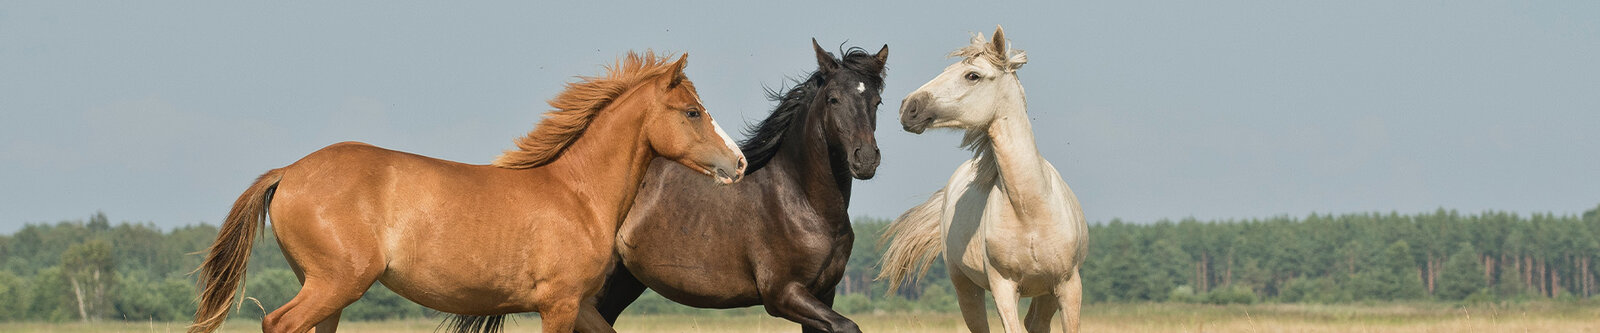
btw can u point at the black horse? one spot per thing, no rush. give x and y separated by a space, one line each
779 238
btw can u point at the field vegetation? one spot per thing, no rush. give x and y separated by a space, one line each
1544 316
1370 271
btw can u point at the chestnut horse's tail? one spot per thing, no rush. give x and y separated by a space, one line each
222 274
913 240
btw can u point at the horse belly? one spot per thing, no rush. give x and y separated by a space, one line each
461 290
707 273
710 287
487 270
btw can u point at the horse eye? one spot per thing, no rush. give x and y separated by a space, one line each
832 100
972 76
692 113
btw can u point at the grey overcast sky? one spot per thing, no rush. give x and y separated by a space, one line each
164 111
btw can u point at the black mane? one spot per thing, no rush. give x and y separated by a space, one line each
763 138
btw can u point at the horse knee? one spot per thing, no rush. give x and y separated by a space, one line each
271 320
846 326
274 322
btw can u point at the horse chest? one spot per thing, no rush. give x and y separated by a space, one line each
814 242
986 234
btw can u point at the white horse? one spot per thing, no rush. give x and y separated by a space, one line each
1008 222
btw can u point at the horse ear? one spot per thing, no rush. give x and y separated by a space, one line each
677 70
882 55
1014 59
999 42
825 61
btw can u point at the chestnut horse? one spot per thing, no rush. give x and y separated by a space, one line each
531 232
782 237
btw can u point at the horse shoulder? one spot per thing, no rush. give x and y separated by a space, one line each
1072 228
1063 202
790 224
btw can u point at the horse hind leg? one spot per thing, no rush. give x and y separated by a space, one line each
969 296
337 277
331 324
318 303
1040 312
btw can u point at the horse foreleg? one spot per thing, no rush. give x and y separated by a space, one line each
794 303
590 321
970 296
621 288
1070 295
1005 302
559 316
827 299
1043 308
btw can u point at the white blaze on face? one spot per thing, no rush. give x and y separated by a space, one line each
727 140
861 87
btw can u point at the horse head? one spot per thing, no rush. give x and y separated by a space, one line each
968 93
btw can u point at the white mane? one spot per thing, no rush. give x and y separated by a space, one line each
980 49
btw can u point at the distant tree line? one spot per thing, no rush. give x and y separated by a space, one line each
1321 258
86 270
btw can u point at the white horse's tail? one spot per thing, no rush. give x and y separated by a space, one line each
913 241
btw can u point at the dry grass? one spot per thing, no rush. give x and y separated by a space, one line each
1537 317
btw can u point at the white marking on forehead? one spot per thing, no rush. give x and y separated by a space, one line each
861 87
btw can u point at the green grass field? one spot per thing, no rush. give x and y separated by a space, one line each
1146 317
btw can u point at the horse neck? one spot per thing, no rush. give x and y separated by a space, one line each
608 162
1014 157
824 179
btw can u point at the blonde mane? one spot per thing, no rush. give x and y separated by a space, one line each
576 107
980 48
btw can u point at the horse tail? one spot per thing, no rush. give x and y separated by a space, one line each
474 324
913 240
223 270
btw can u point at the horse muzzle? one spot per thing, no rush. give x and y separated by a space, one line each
728 174
864 162
915 113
